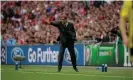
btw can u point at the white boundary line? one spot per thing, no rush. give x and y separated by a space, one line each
46 71
77 74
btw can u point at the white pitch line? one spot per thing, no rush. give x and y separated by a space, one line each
79 75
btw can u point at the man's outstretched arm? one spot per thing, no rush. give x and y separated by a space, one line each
54 23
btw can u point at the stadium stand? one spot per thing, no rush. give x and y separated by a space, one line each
23 22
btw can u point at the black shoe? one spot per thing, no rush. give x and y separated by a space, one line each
76 70
59 71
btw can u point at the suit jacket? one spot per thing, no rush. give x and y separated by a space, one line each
67 31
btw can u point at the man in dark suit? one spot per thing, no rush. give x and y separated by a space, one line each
66 38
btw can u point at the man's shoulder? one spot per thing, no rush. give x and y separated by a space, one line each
70 23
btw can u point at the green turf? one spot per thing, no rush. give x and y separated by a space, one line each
31 72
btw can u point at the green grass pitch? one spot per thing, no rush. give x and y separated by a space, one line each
36 72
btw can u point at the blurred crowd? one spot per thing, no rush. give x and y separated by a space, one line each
23 22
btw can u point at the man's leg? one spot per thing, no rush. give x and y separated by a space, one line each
131 56
72 54
60 56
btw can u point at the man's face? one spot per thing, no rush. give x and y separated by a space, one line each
63 18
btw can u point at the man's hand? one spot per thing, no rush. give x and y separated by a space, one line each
47 21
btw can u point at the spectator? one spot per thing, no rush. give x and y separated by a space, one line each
20 40
10 40
29 17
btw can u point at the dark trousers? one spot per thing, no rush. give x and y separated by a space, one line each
70 46
131 56
131 51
